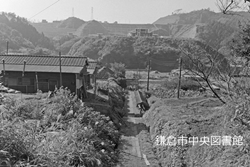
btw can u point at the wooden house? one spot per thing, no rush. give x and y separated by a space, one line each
27 73
103 73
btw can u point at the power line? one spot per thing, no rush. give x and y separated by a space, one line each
45 9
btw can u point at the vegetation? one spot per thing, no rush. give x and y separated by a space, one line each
229 6
200 116
134 52
204 65
119 69
71 22
64 43
20 33
60 131
186 84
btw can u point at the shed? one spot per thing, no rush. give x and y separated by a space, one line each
43 72
104 73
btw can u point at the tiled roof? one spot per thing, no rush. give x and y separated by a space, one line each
69 64
43 60
35 68
92 65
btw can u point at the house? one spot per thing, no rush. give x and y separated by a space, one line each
27 73
91 69
100 73
141 32
104 73
44 21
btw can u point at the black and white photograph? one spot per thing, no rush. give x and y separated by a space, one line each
124 83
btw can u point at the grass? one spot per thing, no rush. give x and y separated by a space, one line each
197 117
57 131
186 84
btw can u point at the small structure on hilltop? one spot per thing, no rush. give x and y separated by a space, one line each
141 32
44 21
28 73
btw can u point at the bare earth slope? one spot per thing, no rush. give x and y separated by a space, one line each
199 118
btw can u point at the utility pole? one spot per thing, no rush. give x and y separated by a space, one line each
24 64
179 84
60 64
3 67
149 62
37 88
95 85
7 47
137 78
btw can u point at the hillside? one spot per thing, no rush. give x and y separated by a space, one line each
20 34
204 16
133 52
213 28
91 27
52 30
71 22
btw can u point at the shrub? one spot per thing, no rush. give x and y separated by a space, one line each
122 82
186 84
190 85
119 69
67 134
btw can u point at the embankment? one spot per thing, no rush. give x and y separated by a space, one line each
199 118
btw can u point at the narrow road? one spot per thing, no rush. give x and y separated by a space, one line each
131 155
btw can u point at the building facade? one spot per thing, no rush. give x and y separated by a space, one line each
28 73
141 32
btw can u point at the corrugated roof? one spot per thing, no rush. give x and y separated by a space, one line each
43 60
35 68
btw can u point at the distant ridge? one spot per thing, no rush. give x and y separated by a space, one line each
205 25
71 22
91 27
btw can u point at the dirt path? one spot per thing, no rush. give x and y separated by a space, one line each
131 155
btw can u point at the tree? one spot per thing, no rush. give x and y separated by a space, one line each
224 77
228 6
240 54
203 62
240 45
119 69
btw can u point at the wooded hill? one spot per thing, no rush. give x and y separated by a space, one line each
20 34
213 28
71 36
135 52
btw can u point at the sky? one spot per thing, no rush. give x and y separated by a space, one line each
122 11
